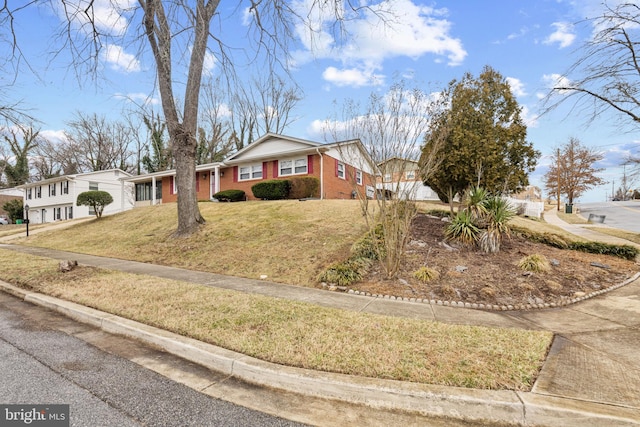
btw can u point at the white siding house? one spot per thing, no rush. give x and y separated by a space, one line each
54 199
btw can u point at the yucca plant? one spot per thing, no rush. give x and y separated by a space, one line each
475 199
462 229
497 216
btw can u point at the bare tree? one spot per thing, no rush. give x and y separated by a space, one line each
180 35
607 73
265 105
572 171
98 144
393 128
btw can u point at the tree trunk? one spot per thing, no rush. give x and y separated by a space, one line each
189 217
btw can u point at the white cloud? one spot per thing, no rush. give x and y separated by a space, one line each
563 35
516 85
352 77
530 119
119 60
108 16
555 80
54 136
386 30
209 63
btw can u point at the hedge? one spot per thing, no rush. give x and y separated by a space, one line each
273 189
230 196
303 187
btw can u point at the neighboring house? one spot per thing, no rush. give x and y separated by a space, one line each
530 193
54 199
341 168
401 178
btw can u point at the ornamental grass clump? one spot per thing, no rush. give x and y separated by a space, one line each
535 263
426 274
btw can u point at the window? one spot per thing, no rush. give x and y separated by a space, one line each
39 192
250 172
29 193
143 191
68 212
340 170
52 190
56 214
358 177
387 177
291 167
64 187
411 174
93 186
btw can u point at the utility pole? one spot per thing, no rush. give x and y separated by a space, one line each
558 177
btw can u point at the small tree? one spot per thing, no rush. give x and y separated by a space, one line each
572 171
14 209
96 200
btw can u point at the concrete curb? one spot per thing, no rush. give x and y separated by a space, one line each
492 406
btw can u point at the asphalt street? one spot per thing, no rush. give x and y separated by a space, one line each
40 364
622 215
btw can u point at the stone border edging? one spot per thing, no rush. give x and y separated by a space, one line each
491 307
463 404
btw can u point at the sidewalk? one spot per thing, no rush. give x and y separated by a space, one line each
591 376
551 217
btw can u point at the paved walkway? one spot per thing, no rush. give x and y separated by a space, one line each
591 375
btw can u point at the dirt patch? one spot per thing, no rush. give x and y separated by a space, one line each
469 275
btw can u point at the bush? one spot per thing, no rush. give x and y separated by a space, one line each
303 187
346 272
274 189
534 263
230 196
371 245
95 199
14 209
548 239
624 251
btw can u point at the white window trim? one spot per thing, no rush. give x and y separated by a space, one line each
342 174
252 172
293 166
358 177
412 176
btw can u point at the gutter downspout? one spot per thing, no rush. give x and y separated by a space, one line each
321 174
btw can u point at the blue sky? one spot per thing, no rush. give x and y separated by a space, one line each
528 42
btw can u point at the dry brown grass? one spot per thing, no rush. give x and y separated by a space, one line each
299 334
288 241
627 235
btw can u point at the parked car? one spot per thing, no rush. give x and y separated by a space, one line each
4 220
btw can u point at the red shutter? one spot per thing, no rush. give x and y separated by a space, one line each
235 174
170 185
264 170
310 164
276 172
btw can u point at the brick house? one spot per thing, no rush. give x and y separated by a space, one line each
341 168
401 177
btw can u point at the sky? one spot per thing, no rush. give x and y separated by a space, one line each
430 43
